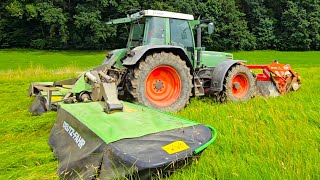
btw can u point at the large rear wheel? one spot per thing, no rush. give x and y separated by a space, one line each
162 81
239 84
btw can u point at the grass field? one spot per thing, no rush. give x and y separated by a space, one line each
273 138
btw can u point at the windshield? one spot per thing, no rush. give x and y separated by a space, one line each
136 34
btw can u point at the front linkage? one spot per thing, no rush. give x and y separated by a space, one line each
99 84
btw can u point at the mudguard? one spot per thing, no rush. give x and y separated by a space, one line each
139 51
220 72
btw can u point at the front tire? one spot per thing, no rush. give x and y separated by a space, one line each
162 81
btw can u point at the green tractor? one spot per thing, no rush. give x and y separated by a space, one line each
162 67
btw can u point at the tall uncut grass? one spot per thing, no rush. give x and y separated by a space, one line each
264 138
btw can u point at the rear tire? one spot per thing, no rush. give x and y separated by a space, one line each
162 81
239 84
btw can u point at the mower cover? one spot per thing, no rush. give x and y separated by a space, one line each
137 143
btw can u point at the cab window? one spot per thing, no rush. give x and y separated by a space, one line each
137 31
156 31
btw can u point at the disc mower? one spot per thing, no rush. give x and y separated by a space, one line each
160 68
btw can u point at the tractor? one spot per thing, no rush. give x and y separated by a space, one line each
164 66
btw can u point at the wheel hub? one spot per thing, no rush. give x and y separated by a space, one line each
158 85
236 85
163 86
240 85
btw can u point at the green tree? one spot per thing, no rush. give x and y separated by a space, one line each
260 23
312 8
12 24
231 30
54 26
240 24
294 28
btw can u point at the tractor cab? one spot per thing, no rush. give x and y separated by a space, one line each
151 27
161 31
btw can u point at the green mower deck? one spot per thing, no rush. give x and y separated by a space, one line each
135 143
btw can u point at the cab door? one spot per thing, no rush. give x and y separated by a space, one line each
181 35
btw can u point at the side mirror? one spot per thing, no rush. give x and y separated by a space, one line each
210 28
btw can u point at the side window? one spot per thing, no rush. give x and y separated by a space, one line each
137 35
181 33
156 31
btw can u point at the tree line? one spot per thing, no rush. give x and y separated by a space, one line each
239 24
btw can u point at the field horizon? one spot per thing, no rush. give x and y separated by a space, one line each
264 138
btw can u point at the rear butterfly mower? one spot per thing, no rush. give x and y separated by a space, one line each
96 135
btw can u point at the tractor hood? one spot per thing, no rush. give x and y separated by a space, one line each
113 58
213 58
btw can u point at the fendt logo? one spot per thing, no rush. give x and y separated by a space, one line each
74 134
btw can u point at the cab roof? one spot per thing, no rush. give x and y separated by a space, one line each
166 14
155 13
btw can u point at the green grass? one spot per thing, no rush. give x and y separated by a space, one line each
21 58
296 59
273 138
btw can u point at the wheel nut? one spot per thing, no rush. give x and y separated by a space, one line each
236 85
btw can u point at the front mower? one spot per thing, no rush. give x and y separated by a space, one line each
97 136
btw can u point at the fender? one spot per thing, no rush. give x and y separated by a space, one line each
138 52
220 72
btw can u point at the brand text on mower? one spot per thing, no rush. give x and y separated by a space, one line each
74 134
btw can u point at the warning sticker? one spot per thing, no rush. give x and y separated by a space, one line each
175 147
56 98
128 109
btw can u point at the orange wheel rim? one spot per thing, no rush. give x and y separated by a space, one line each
163 86
240 85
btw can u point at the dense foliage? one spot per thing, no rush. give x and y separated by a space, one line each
240 24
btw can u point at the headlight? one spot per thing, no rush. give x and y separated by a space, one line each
109 55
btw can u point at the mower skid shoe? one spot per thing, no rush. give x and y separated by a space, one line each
110 95
267 89
38 106
36 87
